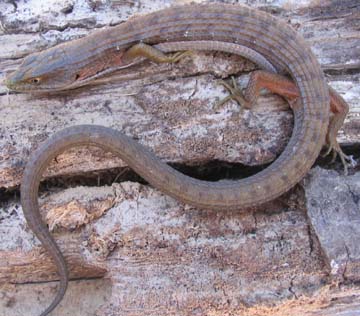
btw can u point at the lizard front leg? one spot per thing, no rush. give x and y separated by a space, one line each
153 54
286 88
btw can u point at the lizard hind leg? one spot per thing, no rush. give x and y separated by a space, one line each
286 88
235 94
339 108
259 80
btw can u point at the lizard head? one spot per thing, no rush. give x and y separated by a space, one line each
42 72
62 67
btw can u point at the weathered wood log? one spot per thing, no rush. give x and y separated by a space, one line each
95 298
164 257
159 256
158 252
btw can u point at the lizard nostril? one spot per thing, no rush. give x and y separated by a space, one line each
12 79
8 82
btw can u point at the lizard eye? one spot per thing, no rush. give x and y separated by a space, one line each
34 80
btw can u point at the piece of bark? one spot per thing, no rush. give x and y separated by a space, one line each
176 118
329 303
333 206
22 260
160 253
19 300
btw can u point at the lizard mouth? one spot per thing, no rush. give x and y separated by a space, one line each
82 80
78 81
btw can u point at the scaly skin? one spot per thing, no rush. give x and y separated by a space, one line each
78 62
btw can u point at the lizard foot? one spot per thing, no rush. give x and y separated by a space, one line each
235 94
346 160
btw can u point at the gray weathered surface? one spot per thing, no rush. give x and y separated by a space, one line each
82 299
163 256
333 206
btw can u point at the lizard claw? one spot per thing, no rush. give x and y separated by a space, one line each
346 160
179 55
235 94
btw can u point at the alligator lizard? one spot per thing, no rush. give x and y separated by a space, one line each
229 27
